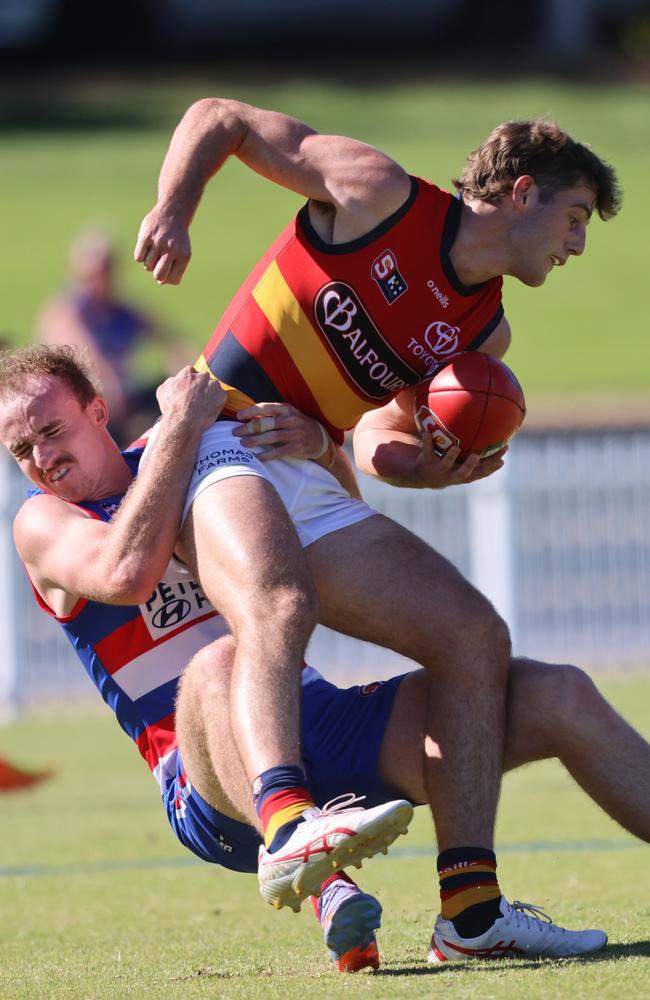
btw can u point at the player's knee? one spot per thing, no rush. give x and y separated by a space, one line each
566 695
208 670
288 611
298 609
472 642
501 642
486 629
550 703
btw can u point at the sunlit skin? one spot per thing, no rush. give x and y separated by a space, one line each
521 235
62 447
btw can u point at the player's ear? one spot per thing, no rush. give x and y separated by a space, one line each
523 190
98 411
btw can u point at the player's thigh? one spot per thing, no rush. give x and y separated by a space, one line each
240 541
205 741
400 764
378 581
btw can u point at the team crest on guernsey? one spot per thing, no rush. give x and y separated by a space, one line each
385 272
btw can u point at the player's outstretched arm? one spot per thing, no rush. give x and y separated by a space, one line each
388 446
359 182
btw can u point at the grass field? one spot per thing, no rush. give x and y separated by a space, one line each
99 902
73 155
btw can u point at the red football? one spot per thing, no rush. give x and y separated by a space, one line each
475 402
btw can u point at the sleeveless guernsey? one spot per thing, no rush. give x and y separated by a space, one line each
339 329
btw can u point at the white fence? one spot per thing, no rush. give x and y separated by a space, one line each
559 540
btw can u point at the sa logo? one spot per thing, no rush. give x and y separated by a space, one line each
385 272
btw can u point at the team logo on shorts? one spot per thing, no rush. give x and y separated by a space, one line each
367 689
385 272
224 845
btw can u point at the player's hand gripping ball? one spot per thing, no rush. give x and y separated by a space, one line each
474 402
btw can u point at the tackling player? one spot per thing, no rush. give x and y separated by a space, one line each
97 543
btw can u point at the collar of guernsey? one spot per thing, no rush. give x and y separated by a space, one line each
337 330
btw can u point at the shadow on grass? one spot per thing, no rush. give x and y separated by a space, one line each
612 953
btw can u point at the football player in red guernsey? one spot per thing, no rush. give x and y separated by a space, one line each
379 279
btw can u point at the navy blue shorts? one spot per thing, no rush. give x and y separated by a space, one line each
342 732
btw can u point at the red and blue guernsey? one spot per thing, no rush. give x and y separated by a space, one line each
339 329
135 654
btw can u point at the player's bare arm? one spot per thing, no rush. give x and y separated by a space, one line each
69 554
389 446
352 185
499 340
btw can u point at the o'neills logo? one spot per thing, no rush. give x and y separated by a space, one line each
366 357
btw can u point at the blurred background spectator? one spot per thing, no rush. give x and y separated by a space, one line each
91 314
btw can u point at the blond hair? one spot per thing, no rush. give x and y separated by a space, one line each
70 364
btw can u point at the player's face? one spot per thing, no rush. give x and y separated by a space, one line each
548 234
56 442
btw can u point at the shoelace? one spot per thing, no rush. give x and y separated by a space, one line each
537 914
339 804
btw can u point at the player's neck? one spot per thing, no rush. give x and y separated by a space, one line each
116 477
478 252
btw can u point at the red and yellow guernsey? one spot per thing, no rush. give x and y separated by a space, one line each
337 330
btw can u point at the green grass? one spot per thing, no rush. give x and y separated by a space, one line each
90 154
99 902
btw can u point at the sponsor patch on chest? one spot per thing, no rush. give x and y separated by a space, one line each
172 605
366 356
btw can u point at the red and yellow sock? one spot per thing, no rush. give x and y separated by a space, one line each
468 879
281 797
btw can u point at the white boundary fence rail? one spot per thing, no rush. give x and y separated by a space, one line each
559 540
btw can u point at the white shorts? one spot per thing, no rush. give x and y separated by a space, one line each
314 498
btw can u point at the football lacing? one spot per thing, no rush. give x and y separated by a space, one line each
342 803
537 914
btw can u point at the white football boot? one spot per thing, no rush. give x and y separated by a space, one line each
331 838
517 933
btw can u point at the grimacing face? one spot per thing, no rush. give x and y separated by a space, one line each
55 440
